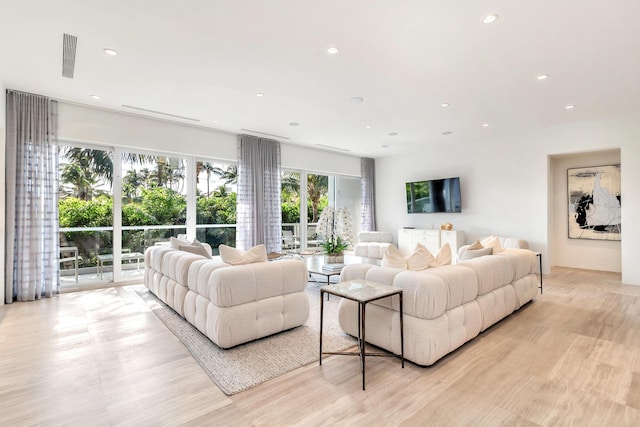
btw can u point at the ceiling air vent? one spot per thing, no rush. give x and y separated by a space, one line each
69 44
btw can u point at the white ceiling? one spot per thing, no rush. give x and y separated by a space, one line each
207 59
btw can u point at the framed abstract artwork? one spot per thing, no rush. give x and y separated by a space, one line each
594 202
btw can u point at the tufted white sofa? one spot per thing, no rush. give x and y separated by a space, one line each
372 244
229 304
444 307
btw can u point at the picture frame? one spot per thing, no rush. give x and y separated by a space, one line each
594 203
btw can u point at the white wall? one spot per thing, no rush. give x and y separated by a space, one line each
81 123
577 253
505 183
3 118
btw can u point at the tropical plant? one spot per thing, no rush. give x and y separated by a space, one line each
317 187
334 246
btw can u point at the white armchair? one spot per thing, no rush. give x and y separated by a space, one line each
372 244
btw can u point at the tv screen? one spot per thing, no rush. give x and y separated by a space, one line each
435 195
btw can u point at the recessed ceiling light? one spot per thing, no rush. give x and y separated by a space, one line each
357 100
543 77
294 124
368 126
570 107
109 51
385 146
485 125
393 133
215 121
96 96
489 18
333 50
259 95
447 132
444 104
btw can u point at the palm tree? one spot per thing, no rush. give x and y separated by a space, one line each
98 163
132 182
290 186
81 180
208 168
317 186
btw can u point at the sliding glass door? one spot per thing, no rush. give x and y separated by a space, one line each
216 195
85 203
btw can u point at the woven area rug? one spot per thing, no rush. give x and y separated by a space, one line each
247 365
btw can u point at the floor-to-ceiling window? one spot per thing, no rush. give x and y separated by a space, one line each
85 201
216 195
154 204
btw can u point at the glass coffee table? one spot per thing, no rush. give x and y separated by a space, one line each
317 265
362 292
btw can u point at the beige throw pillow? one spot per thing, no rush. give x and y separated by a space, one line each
393 258
196 248
492 242
420 259
475 246
443 257
235 256
175 243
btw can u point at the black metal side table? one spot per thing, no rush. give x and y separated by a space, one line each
362 292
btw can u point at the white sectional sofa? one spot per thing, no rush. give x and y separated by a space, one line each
230 304
444 307
372 244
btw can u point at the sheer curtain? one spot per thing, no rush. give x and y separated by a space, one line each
259 217
32 244
368 194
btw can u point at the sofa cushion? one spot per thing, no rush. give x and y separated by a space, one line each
235 256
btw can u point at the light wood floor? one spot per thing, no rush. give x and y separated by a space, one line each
572 357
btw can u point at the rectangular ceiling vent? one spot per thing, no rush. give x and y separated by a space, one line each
263 133
331 147
160 113
69 44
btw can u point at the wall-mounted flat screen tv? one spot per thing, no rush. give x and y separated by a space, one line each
435 195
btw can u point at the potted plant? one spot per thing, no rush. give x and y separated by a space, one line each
334 248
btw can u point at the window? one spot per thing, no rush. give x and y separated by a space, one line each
216 190
154 201
85 203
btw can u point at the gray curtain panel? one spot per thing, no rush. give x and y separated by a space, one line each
32 244
368 194
259 212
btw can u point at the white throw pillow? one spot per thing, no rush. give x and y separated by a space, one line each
393 258
443 257
475 253
235 256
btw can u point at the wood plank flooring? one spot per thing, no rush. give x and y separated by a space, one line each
100 357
